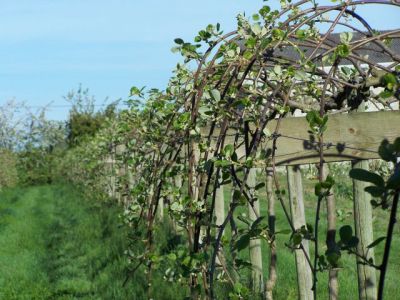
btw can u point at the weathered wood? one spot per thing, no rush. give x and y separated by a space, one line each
367 287
255 244
219 205
178 184
219 212
364 231
333 283
348 137
272 274
304 274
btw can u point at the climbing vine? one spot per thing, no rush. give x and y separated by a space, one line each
171 151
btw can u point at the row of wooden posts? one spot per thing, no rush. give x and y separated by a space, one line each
352 137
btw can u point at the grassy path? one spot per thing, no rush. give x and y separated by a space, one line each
55 245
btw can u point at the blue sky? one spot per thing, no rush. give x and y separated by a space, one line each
48 47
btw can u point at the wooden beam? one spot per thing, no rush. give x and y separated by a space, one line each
348 137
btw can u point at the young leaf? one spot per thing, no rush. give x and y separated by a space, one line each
256 222
297 238
346 233
216 95
364 175
243 242
178 41
259 186
375 191
376 242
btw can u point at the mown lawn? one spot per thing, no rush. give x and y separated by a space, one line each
56 245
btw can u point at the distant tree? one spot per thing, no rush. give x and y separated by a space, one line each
8 170
45 143
84 121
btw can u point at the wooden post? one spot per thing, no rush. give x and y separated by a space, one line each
333 284
219 212
255 244
219 204
364 231
304 274
178 183
269 286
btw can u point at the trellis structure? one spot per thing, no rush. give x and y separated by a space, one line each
216 125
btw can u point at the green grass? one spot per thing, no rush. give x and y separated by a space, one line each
286 287
56 245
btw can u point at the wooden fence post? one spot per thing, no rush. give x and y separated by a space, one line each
219 204
219 212
304 274
270 284
255 244
178 183
364 231
333 284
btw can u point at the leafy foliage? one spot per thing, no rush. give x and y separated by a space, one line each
157 152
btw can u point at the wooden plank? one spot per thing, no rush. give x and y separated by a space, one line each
348 137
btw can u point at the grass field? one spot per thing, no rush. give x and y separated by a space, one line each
56 245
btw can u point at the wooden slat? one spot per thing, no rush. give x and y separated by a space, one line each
350 137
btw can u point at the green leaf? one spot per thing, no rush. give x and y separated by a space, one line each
346 233
256 17
333 258
297 238
278 34
396 144
301 34
353 242
394 181
256 223
178 41
243 242
386 151
389 78
216 95
318 189
328 183
264 11
242 263
375 191
376 242
364 175
343 50
222 163
284 231
251 42
229 150
256 28
386 94
135 91
345 37
259 186
248 54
